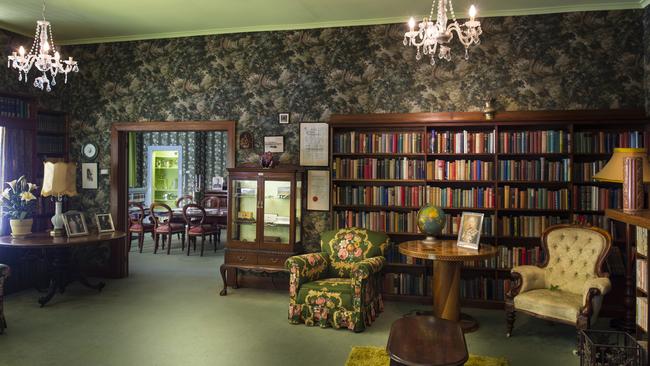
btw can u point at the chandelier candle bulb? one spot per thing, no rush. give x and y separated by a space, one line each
472 13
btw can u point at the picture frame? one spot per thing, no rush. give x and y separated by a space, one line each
283 118
318 190
104 223
246 140
274 144
314 144
89 176
469 230
75 224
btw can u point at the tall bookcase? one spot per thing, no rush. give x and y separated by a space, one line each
524 170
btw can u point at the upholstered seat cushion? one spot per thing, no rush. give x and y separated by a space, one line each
175 228
555 304
137 228
329 292
201 229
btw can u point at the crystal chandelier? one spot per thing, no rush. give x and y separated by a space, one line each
44 56
432 36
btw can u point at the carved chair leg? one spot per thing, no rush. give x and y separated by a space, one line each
156 239
510 321
129 238
202 244
189 243
141 241
164 240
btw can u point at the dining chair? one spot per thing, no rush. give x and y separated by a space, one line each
138 225
163 226
218 223
195 219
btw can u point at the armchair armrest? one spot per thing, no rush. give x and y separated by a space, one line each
594 287
527 278
367 267
307 267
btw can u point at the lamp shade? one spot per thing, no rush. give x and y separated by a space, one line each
613 170
59 179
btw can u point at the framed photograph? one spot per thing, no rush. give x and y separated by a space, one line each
469 231
283 118
89 175
274 144
75 224
217 183
314 144
318 190
104 223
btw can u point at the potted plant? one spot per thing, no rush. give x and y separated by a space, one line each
18 203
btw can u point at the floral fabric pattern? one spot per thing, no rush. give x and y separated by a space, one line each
350 298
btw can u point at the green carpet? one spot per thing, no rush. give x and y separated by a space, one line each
377 356
169 312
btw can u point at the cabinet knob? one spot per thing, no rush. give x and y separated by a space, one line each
241 258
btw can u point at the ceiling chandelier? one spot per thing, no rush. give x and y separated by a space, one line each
431 36
44 56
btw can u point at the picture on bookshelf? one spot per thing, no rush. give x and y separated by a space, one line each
470 230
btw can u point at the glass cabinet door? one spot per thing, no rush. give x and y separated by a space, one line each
244 210
277 211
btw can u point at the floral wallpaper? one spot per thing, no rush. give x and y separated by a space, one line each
582 60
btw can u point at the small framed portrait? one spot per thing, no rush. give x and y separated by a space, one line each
283 118
104 223
274 144
75 224
246 140
89 175
469 231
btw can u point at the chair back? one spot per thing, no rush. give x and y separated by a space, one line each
136 213
161 214
192 220
211 202
183 200
345 247
574 254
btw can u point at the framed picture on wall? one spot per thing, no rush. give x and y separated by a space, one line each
104 223
75 224
274 144
318 190
314 144
283 118
89 175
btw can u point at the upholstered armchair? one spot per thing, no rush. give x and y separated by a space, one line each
339 286
569 286
4 273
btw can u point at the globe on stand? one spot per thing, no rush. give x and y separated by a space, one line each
431 221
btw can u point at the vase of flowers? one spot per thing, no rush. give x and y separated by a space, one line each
18 203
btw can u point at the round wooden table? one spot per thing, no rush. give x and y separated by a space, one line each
61 267
448 261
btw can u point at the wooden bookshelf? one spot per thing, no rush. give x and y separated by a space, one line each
600 131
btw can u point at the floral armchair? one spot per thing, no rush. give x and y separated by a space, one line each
569 286
4 273
339 286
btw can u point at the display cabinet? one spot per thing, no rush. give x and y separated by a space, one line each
264 220
164 183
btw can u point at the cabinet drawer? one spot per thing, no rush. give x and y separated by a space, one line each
273 260
233 257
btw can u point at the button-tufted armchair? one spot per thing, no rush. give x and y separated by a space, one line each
339 286
4 273
569 286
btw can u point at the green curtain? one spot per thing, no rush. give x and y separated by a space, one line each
133 162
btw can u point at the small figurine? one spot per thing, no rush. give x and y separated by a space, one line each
266 160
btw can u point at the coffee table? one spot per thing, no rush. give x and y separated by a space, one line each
426 340
448 261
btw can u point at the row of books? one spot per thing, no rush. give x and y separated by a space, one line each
50 144
463 142
406 284
481 197
484 288
593 220
537 142
601 142
526 226
405 196
384 221
508 257
51 123
14 108
535 170
642 275
642 312
642 241
379 142
591 198
539 198
584 172
460 170
372 168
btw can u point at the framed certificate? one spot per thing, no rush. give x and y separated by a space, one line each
318 190
314 144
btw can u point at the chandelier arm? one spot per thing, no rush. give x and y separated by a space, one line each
464 38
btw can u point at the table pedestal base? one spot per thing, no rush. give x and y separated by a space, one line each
446 295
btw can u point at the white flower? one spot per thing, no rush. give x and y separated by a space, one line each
31 186
12 184
5 193
27 196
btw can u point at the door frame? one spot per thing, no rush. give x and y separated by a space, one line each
119 171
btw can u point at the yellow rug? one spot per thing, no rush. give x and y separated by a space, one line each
377 356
